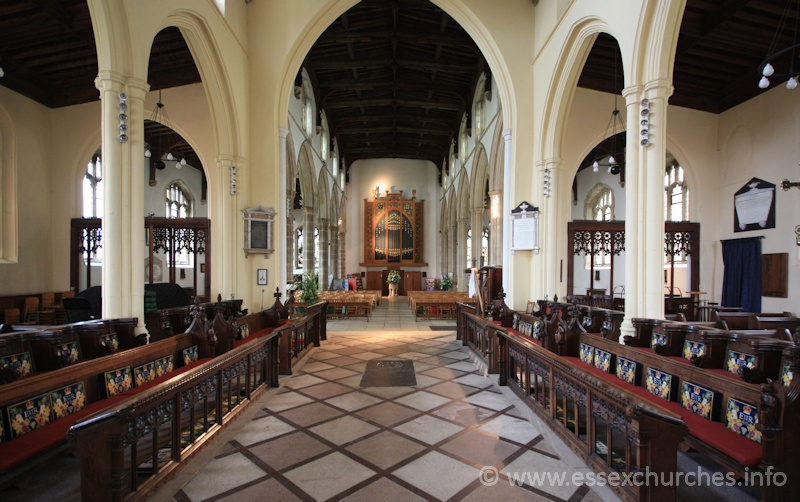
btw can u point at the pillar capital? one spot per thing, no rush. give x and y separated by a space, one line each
137 88
110 81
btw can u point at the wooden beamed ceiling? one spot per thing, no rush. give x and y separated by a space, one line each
394 77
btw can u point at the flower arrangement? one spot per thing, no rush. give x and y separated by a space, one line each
310 287
447 282
393 277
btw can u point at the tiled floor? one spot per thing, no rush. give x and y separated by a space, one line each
321 436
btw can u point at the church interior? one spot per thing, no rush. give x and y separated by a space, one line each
389 240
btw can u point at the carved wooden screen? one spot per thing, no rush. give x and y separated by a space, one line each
595 237
170 236
393 230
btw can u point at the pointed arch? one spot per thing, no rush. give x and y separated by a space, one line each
305 172
480 174
463 195
291 162
497 161
599 190
322 196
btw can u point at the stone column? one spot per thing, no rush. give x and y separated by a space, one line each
644 208
288 186
461 253
123 205
477 237
496 229
444 250
506 210
334 257
549 235
226 245
343 251
324 252
308 240
291 251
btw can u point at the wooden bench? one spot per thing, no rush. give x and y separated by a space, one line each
721 402
751 320
612 428
41 408
436 304
40 348
712 387
130 448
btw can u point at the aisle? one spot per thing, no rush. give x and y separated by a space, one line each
394 314
323 436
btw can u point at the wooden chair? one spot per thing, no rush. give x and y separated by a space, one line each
11 316
30 309
48 300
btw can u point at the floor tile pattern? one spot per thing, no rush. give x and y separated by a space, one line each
322 436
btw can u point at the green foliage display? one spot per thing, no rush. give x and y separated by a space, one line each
447 282
310 287
393 277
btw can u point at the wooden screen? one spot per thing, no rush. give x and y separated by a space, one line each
393 230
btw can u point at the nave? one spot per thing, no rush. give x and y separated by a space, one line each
322 436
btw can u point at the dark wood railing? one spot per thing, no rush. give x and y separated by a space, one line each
128 449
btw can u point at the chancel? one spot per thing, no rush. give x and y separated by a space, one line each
478 271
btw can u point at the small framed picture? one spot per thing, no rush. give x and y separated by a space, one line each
261 277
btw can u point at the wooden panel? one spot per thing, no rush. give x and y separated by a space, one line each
775 275
374 281
413 281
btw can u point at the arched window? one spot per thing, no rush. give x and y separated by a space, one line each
469 248
93 189
676 200
93 204
179 202
600 207
325 144
485 247
479 114
179 205
298 245
676 197
462 141
316 249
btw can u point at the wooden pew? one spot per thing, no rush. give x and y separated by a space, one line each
129 449
42 407
745 320
613 429
716 399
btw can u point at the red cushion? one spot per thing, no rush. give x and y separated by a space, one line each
255 336
24 447
714 434
33 443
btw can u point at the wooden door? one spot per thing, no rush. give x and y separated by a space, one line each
374 282
413 281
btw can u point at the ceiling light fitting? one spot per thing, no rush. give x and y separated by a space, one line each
160 116
608 160
766 67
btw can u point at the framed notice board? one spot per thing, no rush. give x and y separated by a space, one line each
258 230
